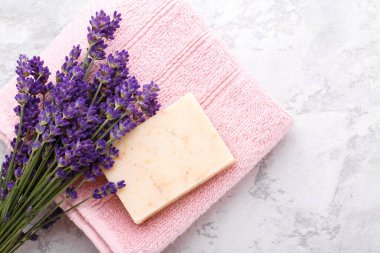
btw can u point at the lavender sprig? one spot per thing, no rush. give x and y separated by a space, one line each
67 130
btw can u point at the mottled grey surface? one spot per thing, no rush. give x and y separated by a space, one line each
318 191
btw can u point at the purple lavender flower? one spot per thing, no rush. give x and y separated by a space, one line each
102 28
97 51
75 52
122 129
31 112
97 194
103 75
10 185
114 152
39 72
71 62
76 73
106 161
22 98
31 80
101 145
112 114
89 176
71 193
23 68
109 188
120 184
18 172
96 170
60 172
32 75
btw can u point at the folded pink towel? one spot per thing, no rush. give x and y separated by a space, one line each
168 43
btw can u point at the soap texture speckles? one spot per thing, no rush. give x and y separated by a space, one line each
168 156
169 43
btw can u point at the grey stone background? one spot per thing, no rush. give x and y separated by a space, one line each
318 191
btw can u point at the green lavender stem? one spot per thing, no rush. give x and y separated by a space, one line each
17 226
23 182
96 93
99 129
89 69
18 139
112 126
46 219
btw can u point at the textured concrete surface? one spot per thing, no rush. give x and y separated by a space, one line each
318 191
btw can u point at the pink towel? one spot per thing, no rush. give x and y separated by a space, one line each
170 44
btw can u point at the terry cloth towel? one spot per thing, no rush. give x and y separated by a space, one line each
170 44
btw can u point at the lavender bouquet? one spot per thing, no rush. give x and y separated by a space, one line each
66 131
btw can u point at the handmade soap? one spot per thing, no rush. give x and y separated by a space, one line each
167 156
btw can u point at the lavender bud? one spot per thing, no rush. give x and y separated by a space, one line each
71 193
10 185
18 172
33 237
121 184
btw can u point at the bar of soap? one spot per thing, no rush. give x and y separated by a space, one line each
166 157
